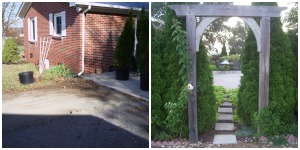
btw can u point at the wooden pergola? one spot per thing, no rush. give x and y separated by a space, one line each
194 34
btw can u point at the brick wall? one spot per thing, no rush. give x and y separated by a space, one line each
67 50
101 34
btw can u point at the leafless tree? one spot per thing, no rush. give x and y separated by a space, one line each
8 17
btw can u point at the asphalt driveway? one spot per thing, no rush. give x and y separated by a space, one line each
74 114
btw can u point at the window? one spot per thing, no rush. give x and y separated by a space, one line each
57 24
32 29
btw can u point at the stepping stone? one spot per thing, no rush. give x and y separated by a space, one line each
225 139
225 110
224 126
225 117
226 104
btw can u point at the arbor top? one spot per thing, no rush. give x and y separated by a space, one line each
227 10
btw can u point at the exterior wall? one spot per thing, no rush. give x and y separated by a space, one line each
102 31
101 35
67 50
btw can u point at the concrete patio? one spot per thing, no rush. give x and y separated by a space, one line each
130 87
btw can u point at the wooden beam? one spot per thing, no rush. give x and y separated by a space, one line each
255 29
264 60
228 10
201 28
192 103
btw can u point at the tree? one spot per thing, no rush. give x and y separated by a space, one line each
158 112
238 36
142 50
292 20
9 17
224 52
206 100
232 51
10 52
282 82
125 45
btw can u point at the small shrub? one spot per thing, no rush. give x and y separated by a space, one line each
213 67
10 53
269 122
220 92
233 96
57 72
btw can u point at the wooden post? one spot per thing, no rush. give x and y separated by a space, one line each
192 103
264 63
264 60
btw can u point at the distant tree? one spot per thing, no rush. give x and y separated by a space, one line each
238 36
224 52
232 51
10 53
9 17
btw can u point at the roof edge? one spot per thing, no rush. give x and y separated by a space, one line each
23 9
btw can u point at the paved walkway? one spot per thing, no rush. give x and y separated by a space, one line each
130 87
228 79
225 125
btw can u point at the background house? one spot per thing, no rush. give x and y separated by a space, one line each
77 29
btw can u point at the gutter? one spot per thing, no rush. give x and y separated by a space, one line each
83 39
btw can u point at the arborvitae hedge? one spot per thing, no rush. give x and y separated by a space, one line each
125 45
158 112
10 53
282 82
142 48
205 91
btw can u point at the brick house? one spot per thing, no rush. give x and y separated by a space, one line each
79 31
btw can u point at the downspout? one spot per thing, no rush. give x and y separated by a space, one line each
83 39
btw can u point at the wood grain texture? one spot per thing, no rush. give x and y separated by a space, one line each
228 10
192 104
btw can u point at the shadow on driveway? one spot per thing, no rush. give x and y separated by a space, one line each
74 131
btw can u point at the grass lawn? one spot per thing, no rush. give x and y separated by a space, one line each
10 77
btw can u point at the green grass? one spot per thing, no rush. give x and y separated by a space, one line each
20 47
10 77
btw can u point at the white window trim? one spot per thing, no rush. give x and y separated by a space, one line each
53 23
30 29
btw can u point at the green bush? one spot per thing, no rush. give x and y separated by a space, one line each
170 77
207 107
158 112
57 72
10 53
213 67
220 93
233 96
282 88
125 46
142 48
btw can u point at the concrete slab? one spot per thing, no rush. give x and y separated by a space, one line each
225 117
224 126
227 79
225 139
226 104
130 87
225 110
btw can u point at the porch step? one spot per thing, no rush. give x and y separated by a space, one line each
224 110
224 126
225 139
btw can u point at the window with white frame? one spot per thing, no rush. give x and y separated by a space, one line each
32 29
57 24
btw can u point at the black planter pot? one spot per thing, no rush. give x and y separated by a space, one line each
122 73
144 82
26 77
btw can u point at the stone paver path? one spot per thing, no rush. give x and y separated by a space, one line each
225 123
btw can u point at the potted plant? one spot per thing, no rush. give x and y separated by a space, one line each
124 50
142 50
